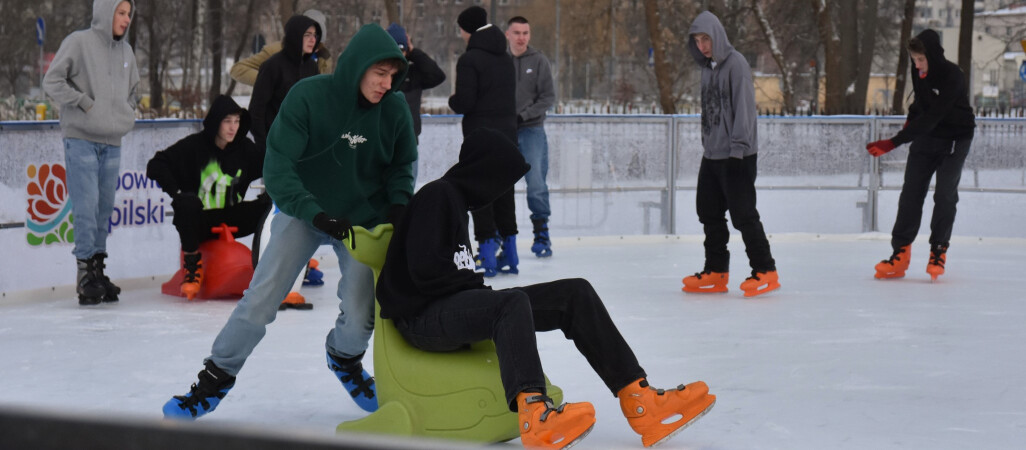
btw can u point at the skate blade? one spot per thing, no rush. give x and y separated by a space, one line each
769 287
889 275
579 438
684 425
543 253
704 289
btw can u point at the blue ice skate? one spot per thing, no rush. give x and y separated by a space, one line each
314 277
358 383
203 397
542 246
508 260
486 255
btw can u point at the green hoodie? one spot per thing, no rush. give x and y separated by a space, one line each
331 151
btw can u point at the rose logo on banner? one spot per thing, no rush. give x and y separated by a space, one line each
49 218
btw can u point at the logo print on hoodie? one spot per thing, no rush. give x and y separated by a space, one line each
463 258
353 140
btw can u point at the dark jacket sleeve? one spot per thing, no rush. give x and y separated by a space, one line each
259 102
166 166
430 74
922 121
465 97
254 162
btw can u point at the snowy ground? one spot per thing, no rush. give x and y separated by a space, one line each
834 359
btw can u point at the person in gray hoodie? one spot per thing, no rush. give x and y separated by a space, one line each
726 177
93 78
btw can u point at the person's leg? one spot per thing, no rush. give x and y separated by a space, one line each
573 306
484 223
355 321
470 316
945 196
246 216
535 148
292 243
505 214
193 227
744 215
919 168
82 164
711 205
109 170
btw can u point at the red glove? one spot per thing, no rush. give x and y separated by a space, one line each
878 148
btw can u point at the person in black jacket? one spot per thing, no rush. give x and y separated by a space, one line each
281 71
940 127
423 73
429 288
486 96
207 175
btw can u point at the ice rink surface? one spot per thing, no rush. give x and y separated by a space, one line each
833 360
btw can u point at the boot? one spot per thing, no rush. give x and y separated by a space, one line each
89 286
542 246
193 275
937 259
486 251
295 300
658 414
760 283
507 261
706 281
203 397
313 276
357 381
542 426
111 290
896 265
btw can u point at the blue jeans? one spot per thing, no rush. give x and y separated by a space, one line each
291 245
92 177
535 148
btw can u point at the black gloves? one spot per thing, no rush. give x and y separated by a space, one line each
336 228
395 214
186 201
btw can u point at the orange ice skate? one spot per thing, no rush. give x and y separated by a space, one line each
760 283
651 412
937 259
295 300
542 426
193 264
706 281
896 265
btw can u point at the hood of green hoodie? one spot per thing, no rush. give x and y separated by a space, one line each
370 45
103 18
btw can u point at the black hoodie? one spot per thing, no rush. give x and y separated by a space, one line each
179 167
941 106
279 73
486 86
430 254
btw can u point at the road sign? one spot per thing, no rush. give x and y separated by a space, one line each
1022 71
40 31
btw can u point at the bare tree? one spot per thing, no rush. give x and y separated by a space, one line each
831 43
898 103
287 8
243 38
965 37
216 11
662 66
787 85
392 11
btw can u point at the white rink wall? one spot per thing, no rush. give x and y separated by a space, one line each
609 175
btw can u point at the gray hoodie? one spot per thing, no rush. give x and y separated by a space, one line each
728 94
534 87
93 77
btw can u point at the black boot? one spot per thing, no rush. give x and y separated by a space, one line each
89 287
111 290
542 246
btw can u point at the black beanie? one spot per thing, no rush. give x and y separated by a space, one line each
472 18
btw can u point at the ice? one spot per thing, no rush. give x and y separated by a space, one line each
834 359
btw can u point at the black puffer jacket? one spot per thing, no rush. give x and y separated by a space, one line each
279 73
486 86
179 168
941 106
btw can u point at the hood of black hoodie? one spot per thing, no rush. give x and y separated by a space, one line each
489 38
489 165
292 43
222 106
934 53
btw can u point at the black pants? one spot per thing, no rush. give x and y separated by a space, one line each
511 317
926 156
729 185
499 216
193 224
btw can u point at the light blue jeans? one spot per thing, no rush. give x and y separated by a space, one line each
535 148
291 245
92 176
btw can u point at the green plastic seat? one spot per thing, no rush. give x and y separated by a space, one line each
452 395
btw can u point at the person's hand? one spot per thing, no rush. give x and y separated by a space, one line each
395 214
184 201
878 148
336 228
409 42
